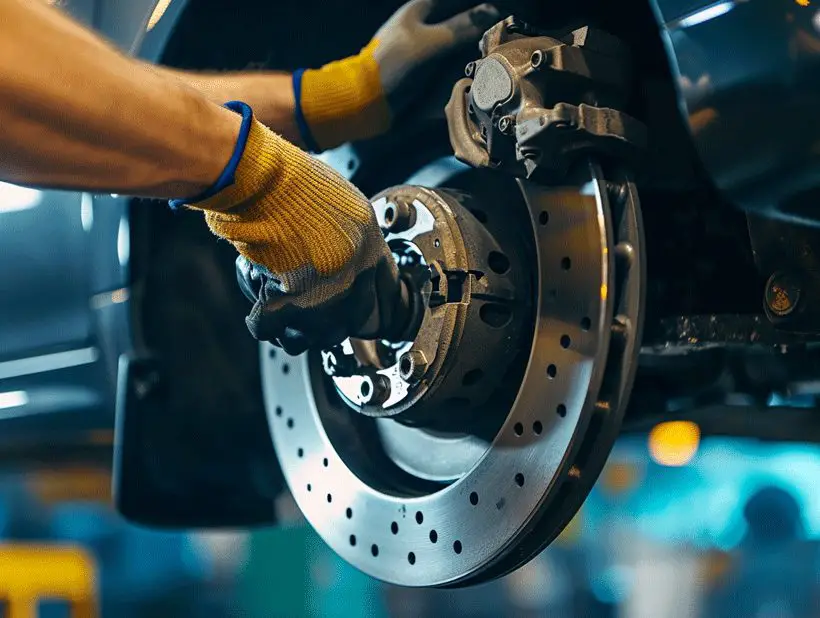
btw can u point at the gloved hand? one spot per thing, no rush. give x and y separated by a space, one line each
360 96
312 256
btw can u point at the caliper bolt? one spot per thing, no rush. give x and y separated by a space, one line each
469 69
412 365
537 59
506 124
399 216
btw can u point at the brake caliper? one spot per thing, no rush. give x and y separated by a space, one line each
533 105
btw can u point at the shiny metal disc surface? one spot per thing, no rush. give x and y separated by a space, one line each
480 524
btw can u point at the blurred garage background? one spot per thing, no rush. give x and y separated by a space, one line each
676 527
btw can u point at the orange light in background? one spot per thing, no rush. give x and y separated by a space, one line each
71 484
803 2
618 478
159 11
674 443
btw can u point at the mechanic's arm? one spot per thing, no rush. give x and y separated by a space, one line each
269 93
76 113
357 97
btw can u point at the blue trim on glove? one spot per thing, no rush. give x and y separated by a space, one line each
301 122
227 177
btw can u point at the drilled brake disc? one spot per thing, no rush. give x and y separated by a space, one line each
525 482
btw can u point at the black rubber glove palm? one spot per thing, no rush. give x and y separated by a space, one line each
376 306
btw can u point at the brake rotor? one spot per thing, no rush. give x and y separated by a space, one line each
505 494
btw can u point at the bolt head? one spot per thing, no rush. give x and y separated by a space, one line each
782 294
375 390
412 365
537 59
399 216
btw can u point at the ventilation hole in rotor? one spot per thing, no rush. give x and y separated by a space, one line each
300 452
349 513
374 549
472 377
352 540
411 558
498 262
544 217
537 428
586 323
480 215
565 341
364 389
419 517
290 423
278 410
272 353
457 403
329 498
286 369
457 547
495 315
309 488
519 479
394 528
325 462
474 498
518 428
433 536
561 410
552 371
566 263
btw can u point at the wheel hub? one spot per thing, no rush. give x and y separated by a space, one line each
475 295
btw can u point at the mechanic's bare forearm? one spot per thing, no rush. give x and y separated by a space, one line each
76 113
270 94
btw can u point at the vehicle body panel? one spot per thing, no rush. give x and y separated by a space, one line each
65 317
748 74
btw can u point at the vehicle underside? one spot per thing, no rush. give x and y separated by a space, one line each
576 273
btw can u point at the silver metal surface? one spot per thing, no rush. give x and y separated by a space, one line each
461 532
47 362
435 235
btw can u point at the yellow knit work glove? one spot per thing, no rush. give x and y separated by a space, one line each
312 256
359 97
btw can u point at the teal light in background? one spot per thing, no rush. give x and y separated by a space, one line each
702 503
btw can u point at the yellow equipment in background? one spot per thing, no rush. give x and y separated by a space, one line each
31 574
